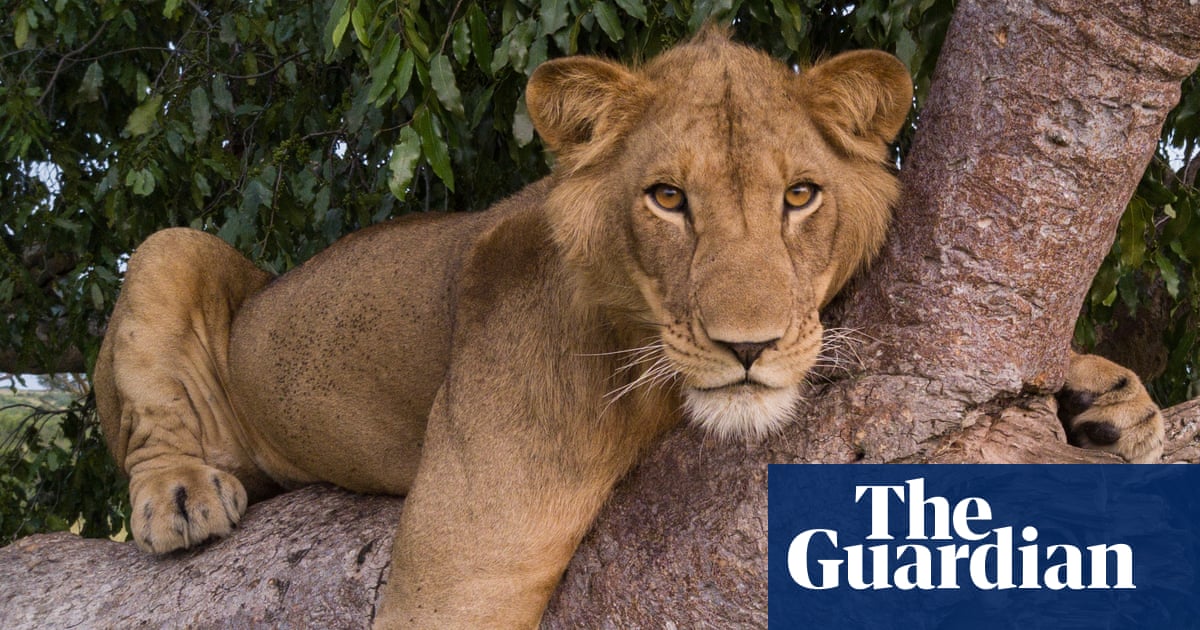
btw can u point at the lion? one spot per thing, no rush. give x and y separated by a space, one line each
505 369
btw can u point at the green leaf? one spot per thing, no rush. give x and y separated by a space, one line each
255 194
508 16
538 54
906 49
142 91
404 73
228 34
21 30
415 42
142 119
93 78
1170 275
634 8
384 70
238 229
442 77
462 43
201 114
554 16
147 184
337 15
97 296
522 127
289 73
221 96
483 104
403 162
171 9
200 189
434 146
358 18
339 29
704 10
607 18
321 202
481 41
1127 288
500 56
790 14
175 141
518 45
141 182
1131 236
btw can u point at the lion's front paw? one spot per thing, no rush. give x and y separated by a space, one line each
182 506
1104 406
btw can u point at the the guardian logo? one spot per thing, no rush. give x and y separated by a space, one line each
984 547
986 558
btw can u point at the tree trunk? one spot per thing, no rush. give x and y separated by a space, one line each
1041 118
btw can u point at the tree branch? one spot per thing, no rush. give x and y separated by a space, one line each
1183 433
12 362
312 558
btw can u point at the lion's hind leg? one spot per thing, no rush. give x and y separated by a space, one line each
160 389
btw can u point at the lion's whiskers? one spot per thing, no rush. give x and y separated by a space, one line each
839 350
661 371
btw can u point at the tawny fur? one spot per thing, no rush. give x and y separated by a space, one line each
1105 406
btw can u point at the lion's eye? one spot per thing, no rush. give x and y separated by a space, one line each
667 197
801 196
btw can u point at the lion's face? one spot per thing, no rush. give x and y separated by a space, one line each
723 199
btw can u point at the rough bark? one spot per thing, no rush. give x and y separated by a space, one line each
313 558
1013 191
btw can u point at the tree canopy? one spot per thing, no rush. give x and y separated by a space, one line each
281 126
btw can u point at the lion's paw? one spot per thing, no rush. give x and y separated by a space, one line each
1104 406
182 506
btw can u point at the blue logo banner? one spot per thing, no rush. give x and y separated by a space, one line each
984 546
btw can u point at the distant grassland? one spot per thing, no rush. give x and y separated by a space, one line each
15 407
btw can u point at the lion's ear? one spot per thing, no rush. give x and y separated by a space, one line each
575 100
862 95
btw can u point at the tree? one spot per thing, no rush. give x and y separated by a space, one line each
1015 181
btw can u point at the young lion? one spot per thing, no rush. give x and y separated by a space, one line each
504 369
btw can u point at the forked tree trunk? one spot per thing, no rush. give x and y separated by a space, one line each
1041 118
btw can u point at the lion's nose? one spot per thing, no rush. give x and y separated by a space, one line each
747 352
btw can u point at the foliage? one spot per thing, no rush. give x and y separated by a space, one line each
55 471
282 125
